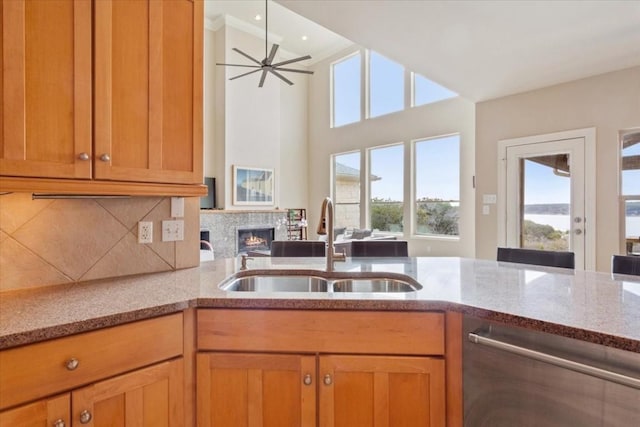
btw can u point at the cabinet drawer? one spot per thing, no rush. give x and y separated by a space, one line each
38 370
365 332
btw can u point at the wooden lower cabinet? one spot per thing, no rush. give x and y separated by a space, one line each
260 389
381 391
50 412
271 390
150 397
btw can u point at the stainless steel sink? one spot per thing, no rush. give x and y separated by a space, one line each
374 285
276 284
311 283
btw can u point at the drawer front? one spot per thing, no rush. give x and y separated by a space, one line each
365 332
41 369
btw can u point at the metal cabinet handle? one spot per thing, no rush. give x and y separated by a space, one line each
83 156
85 417
72 364
105 157
59 423
327 379
307 379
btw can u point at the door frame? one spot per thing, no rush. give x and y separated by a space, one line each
589 136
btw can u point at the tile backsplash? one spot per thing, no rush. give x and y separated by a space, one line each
49 242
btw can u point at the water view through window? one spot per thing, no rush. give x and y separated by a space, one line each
546 191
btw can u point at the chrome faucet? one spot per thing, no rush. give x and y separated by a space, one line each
326 227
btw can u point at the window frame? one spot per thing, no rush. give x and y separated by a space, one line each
414 189
368 182
332 112
623 198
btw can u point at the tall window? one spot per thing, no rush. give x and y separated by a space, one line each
630 186
346 189
346 78
437 186
425 91
386 85
386 180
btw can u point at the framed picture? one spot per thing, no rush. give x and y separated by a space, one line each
253 186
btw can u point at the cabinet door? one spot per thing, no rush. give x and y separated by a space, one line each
51 412
45 87
381 391
251 390
148 91
150 397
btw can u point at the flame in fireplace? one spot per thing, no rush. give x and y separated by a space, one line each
254 241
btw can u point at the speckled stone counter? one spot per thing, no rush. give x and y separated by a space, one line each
594 307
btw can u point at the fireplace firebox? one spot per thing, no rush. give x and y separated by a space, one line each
255 239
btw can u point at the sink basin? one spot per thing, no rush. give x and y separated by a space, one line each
374 285
304 283
276 284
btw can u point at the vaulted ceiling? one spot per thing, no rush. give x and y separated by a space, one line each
480 49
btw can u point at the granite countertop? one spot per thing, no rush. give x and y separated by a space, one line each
594 307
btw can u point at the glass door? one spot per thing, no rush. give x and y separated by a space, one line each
545 197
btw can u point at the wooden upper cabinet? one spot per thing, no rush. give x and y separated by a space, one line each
45 87
148 91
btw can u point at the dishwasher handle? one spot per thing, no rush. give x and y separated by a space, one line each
557 361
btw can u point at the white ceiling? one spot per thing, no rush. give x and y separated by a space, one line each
488 49
286 28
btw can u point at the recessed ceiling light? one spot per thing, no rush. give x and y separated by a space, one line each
258 17
304 37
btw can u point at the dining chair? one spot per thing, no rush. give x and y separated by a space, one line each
537 257
379 248
298 248
625 264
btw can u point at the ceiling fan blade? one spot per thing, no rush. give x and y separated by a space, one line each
290 61
245 74
247 56
293 70
281 77
272 55
238 65
264 75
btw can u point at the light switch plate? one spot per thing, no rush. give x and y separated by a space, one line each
489 199
172 230
177 207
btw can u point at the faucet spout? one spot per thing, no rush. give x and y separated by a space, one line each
326 227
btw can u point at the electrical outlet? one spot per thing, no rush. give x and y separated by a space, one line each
172 230
145 232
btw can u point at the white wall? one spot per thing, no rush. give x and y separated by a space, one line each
255 127
446 117
608 102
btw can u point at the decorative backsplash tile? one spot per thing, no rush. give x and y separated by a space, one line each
48 242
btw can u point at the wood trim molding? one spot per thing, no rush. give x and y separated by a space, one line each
99 188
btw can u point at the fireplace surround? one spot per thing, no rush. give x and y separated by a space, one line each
254 239
224 225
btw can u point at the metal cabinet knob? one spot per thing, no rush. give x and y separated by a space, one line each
72 364
307 379
327 379
59 423
578 231
85 417
83 156
105 157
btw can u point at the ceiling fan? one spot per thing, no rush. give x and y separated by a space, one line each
267 65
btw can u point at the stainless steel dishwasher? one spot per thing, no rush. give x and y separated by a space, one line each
517 377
